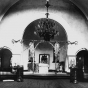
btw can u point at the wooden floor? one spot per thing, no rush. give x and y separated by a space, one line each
42 83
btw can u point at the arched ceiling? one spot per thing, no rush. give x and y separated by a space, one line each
81 4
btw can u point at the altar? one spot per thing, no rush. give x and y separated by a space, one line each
43 68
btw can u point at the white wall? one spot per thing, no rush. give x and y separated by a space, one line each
45 49
13 26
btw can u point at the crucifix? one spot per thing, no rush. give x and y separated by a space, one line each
47 6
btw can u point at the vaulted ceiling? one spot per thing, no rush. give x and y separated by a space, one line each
81 4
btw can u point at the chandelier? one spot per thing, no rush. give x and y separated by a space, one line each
46 27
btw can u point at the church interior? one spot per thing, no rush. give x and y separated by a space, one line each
44 39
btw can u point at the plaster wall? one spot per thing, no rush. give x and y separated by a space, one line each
13 26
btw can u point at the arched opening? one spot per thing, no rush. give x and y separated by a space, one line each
82 64
44 48
82 58
5 57
30 33
55 48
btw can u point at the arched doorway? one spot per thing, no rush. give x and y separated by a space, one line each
82 58
5 57
82 64
45 44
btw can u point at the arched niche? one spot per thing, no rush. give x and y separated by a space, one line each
82 58
5 56
44 48
82 64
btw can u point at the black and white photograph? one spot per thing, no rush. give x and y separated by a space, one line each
43 43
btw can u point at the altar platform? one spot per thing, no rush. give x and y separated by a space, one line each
37 75
46 75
